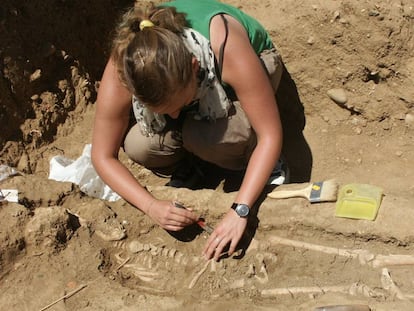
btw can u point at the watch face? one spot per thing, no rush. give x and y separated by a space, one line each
242 210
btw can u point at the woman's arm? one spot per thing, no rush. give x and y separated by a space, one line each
111 120
244 72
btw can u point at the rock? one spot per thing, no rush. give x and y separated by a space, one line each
36 75
49 229
373 13
409 118
338 96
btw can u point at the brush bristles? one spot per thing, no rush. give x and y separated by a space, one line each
329 191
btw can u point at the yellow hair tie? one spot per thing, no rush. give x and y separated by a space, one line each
145 23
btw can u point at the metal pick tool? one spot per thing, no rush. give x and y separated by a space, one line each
200 221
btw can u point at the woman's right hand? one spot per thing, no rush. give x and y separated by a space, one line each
170 217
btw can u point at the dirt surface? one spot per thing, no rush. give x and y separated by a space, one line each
103 255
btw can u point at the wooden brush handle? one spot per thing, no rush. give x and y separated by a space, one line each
285 194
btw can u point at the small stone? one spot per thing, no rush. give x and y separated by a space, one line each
399 153
338 96
409 118
373 13
35 75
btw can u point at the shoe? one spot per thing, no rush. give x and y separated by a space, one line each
280 174
188 174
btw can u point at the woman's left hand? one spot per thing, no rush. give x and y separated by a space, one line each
229 230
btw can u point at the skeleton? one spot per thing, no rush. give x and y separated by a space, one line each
364 256
354 289
144 268
149 261
145 260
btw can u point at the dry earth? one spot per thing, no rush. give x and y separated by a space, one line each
57 241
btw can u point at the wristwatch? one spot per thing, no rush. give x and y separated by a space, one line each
241 209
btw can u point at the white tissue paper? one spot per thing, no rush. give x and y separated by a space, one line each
9 195
82 173
7 171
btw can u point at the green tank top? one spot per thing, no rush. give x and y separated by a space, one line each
200 12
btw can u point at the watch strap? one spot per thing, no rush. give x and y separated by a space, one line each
242 210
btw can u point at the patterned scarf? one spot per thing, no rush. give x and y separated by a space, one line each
211 97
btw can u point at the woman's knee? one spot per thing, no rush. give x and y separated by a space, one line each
152 152
135 145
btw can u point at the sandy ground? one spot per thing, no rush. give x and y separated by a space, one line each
63 250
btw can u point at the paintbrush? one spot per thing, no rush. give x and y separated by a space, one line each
323 191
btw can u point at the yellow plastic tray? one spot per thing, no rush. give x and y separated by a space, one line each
358 201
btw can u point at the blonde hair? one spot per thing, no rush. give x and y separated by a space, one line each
152 62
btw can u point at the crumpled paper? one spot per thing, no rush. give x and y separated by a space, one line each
9 195
7 171
82 173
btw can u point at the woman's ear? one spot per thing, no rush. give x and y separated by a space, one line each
195 63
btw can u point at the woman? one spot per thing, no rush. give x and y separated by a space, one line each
198 87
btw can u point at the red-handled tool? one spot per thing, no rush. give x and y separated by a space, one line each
200 221
205 227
